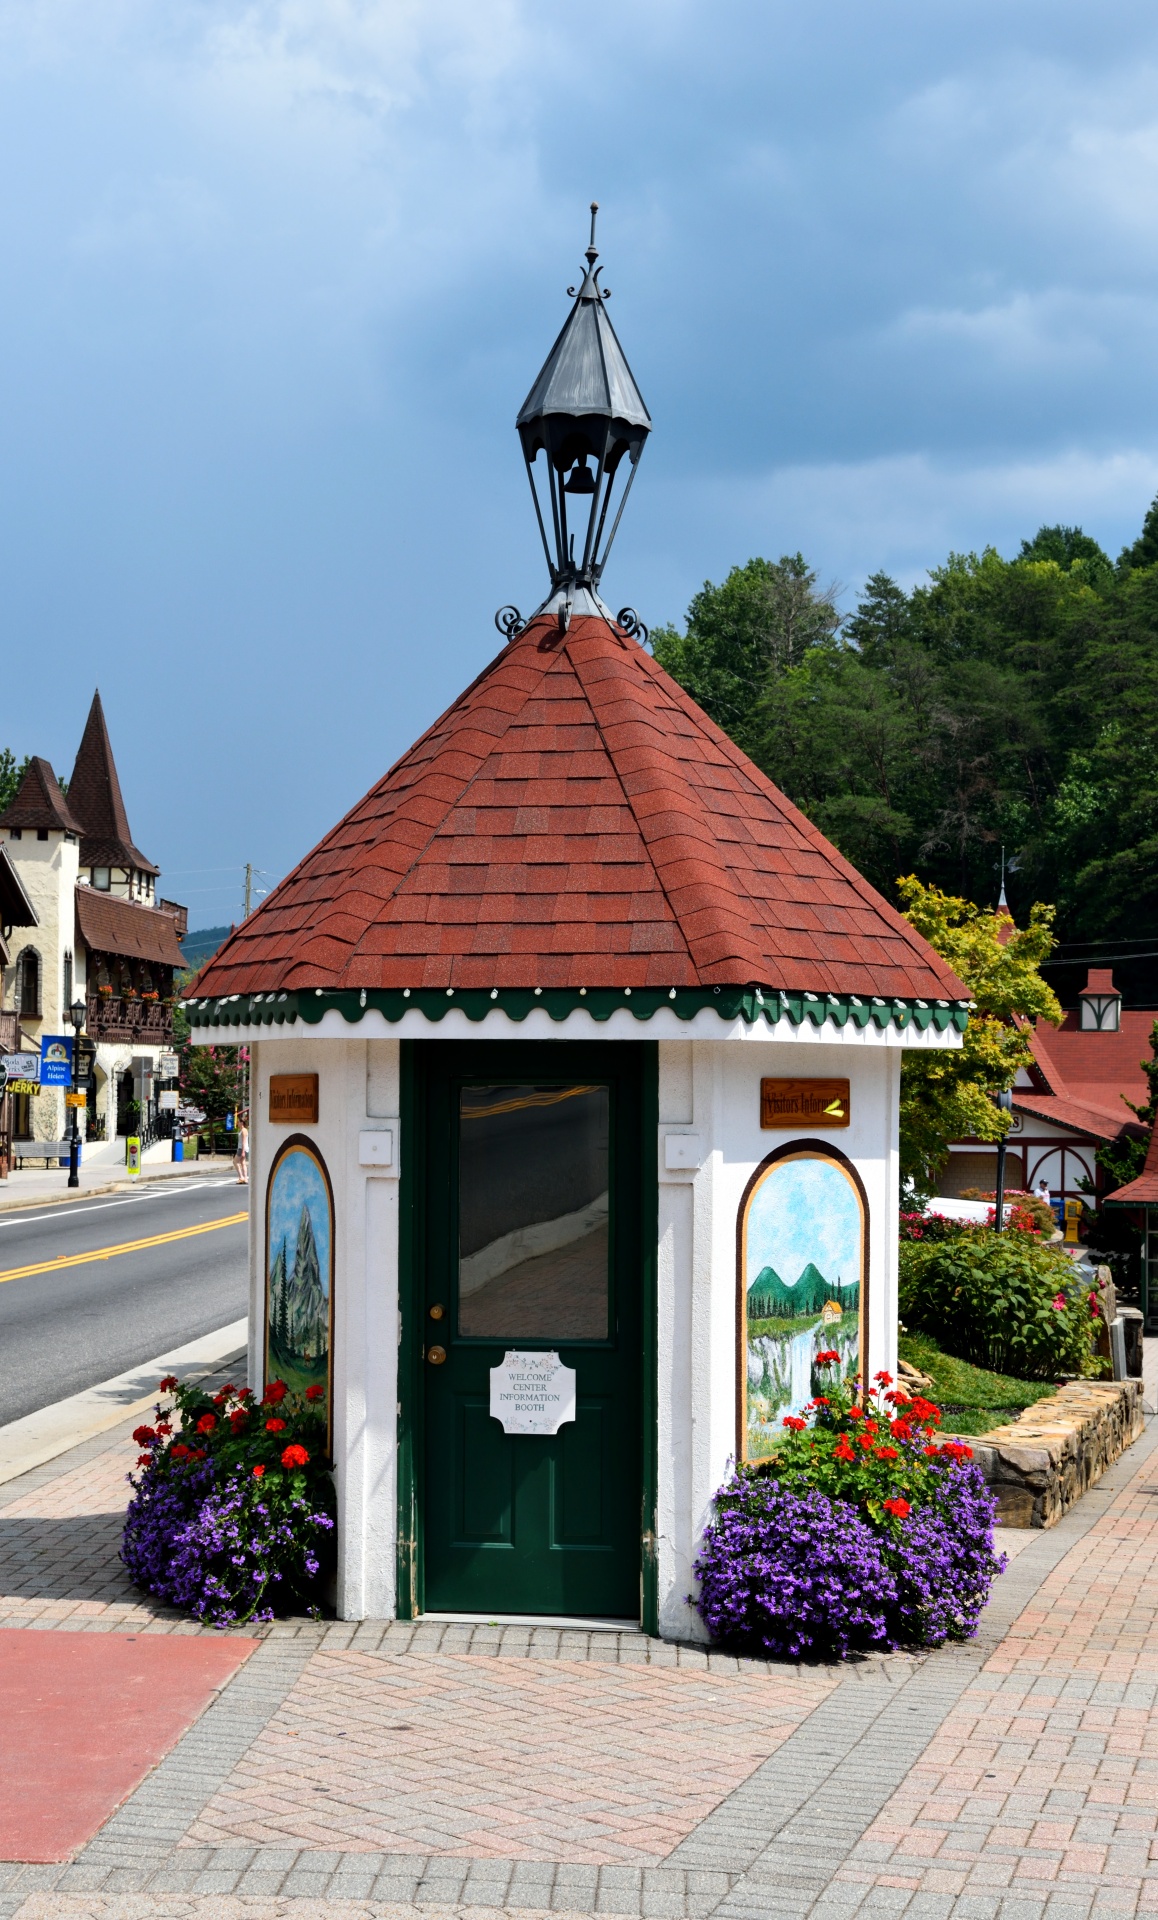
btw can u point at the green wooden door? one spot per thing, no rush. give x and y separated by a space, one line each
531 1242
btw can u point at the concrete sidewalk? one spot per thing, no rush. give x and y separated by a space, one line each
398 1770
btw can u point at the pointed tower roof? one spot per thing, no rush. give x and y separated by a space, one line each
94 794
576 821
40 803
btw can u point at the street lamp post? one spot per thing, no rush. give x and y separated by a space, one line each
1005 1102
76 1014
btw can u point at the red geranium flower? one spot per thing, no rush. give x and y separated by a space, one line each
932 1452
294 1456
141 1434
144 1459
275 1393
887 1453
315 1393
180 1451
955 1450
258 1471
856 1413
865 1440
167 1383
198 1453
826 1359
821 1400
238 1418
207 1423
885 1379
164 1426
842 1450
793 1422
899 1507
246 1393
274 1426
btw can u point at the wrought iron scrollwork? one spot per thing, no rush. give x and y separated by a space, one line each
629 622
510 622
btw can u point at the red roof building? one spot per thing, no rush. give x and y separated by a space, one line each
1076 1095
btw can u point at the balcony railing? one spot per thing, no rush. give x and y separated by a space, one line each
115 1019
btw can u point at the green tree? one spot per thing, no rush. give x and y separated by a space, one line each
948 1094
209 1076
1144 550
760 622
12 772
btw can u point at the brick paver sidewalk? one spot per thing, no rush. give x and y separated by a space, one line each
430 1769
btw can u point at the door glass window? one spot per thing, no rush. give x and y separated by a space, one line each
533 1213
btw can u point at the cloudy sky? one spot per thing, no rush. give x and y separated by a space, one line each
277 277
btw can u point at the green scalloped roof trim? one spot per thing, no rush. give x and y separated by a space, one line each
730 1003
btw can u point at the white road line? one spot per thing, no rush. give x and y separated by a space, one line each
100 1206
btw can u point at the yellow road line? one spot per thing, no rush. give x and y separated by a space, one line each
127 1246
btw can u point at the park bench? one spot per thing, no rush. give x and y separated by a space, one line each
46 1150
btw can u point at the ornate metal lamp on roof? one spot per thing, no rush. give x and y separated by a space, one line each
585 413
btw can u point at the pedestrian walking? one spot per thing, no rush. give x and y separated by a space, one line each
241 1157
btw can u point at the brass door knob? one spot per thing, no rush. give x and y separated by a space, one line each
436 1355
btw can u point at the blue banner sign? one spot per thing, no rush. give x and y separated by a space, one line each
56 1060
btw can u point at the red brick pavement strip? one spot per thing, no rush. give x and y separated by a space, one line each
83 1721
467 1755
1043 1779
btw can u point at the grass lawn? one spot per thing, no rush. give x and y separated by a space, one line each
971 1399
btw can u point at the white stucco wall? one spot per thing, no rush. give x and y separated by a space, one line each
707 1088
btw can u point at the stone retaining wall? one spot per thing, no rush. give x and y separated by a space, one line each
1052 1453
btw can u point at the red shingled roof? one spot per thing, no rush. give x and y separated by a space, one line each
1144 1190
574 819
1086 1078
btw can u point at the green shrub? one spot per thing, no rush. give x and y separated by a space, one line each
999 1300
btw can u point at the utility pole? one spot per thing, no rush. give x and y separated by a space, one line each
248 887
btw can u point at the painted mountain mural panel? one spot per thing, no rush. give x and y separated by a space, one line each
802 1256
299 1255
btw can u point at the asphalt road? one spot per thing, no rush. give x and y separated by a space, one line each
68 1328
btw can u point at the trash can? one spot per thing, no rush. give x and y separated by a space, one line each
178 1149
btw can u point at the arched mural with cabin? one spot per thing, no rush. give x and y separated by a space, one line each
803 1285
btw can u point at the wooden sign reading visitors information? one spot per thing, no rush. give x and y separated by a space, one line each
804 1103
293 1098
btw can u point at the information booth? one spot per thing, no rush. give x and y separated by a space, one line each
575 1078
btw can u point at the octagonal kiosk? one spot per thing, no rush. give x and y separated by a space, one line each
575 1076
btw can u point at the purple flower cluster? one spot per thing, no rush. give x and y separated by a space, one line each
787 1572
218 1548
792 1570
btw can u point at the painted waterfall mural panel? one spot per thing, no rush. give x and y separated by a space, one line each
802 1245
299 1295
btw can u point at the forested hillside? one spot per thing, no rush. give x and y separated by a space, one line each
1005 702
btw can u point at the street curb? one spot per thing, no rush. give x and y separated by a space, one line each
41 1436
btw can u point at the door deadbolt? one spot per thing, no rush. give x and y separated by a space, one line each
437 1311
436 1355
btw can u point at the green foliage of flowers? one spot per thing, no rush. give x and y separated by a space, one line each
882 1456
1003 1301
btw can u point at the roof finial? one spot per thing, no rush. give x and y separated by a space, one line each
592 249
